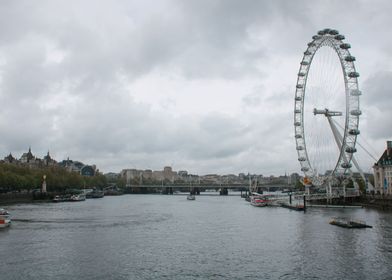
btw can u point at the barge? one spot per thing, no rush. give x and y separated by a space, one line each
348 223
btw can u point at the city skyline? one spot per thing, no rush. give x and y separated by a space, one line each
29 157
201 86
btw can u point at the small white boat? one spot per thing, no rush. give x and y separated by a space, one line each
78 197
61 198
191 197
5 218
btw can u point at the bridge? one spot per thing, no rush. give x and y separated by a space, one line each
223 189
196 189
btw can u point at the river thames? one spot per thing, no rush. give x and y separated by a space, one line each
168 237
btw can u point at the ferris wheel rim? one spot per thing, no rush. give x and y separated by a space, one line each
331 38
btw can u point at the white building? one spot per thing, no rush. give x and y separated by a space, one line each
383 172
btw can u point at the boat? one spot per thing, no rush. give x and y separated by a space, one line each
112 191
58 198
62 198
191 197
78 197
348 223
5 218
95 194
258 200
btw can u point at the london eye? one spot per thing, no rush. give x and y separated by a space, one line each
327 109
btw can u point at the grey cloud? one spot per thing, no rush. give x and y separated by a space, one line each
376 105
377 91
82 106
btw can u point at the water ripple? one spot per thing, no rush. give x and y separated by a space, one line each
165 237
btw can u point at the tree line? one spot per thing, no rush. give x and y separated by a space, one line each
18 178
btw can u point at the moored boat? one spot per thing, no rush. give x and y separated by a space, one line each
5 218
95 194
78 197
62 198
258 201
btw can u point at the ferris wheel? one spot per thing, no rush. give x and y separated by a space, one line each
326 109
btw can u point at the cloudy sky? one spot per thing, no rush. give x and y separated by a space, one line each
202 85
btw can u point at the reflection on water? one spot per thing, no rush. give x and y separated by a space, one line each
168 237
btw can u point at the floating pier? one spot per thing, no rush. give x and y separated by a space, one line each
296 207
341 222
333 206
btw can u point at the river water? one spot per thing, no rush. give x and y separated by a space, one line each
168 237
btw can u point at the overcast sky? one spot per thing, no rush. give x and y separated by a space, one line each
201 85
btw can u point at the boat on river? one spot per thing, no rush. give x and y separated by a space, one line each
95 194
69 197
78 197
61 198
348 223
258 200
5 218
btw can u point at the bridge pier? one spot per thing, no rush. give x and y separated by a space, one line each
223 191
167 190
194 191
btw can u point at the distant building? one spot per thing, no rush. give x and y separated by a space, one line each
31 161
111 176
48 161
383 172
242 177
169 174
87 170
79 167
133 176
211 179
183 173
158 175
147 174
71 166
228 179
130 175
27 157
294 177
10 159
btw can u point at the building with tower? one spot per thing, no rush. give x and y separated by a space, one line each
383 172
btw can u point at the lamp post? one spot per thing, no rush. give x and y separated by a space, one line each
43 189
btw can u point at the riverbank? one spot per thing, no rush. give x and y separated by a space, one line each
375 201
24 197
367 201
14 198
